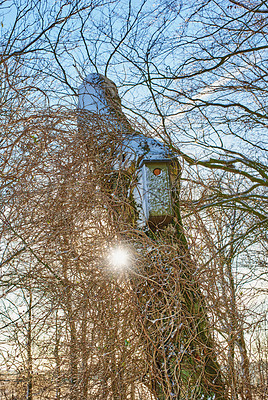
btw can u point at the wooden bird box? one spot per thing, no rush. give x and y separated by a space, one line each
156 190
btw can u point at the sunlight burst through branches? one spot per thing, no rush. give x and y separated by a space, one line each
119 258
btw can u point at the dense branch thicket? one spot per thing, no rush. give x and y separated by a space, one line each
194 75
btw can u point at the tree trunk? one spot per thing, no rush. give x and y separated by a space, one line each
236 324
84 348
29 395
57 361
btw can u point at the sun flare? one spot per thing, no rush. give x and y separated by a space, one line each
119 258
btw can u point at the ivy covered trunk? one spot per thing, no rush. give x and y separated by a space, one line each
179 346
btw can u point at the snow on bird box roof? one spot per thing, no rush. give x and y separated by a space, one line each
142 149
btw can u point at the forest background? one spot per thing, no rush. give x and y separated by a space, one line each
192 74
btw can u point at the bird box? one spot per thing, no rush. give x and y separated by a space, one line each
152 194
156 191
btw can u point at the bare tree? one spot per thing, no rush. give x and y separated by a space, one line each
226 255
192 74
